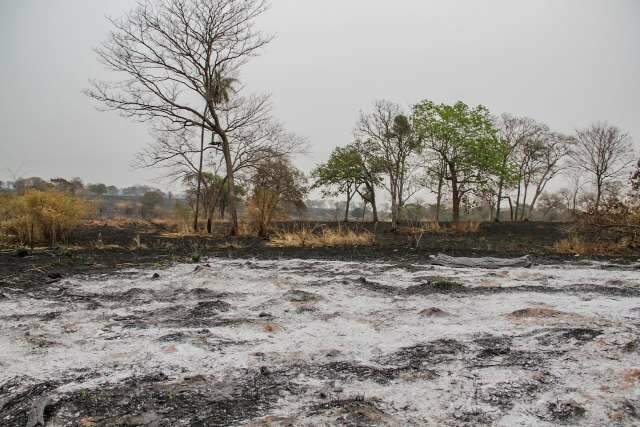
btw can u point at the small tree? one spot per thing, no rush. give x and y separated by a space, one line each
387 140
604 153
97 189
346 172
274 182
149 202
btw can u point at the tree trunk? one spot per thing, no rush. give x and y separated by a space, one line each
346 211
598 195
455 194
394 209
510 207
491 210
374 208
197 212
499 201
231 190
439 199
523 214
456 206
517 203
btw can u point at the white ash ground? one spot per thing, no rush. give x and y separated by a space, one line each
353 346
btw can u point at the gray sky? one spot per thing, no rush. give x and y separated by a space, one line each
563 62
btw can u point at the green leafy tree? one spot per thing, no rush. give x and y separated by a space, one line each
346 172
97 189
467 142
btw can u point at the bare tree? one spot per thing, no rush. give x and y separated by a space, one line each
548 163
171 55
604 153
515 131
273 183
572 193
391 143
257 139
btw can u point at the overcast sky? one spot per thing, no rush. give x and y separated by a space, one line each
564 62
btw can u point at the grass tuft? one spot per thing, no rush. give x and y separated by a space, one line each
452 228
324 238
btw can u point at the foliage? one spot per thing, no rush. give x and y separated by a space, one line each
466 140
97 189
214 194
274 182
347 172
38 215
182 216
149 202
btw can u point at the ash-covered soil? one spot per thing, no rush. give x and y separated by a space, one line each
318 342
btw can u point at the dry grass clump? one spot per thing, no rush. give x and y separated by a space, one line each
578 246
324 238
40 216
451 228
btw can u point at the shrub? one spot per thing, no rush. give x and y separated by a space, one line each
41 216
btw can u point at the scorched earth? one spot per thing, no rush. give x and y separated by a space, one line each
303 342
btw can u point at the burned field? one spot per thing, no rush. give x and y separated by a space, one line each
308 342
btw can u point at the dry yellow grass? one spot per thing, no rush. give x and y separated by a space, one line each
307 237
39 216
453 228
577 246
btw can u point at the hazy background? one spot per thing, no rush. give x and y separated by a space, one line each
566 63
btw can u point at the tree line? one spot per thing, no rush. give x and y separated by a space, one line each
467 156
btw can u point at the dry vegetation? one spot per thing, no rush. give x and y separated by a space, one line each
579 246
39 216
438 228
325 237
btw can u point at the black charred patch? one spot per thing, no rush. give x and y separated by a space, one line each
560 336
196 401
17 397
429 354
